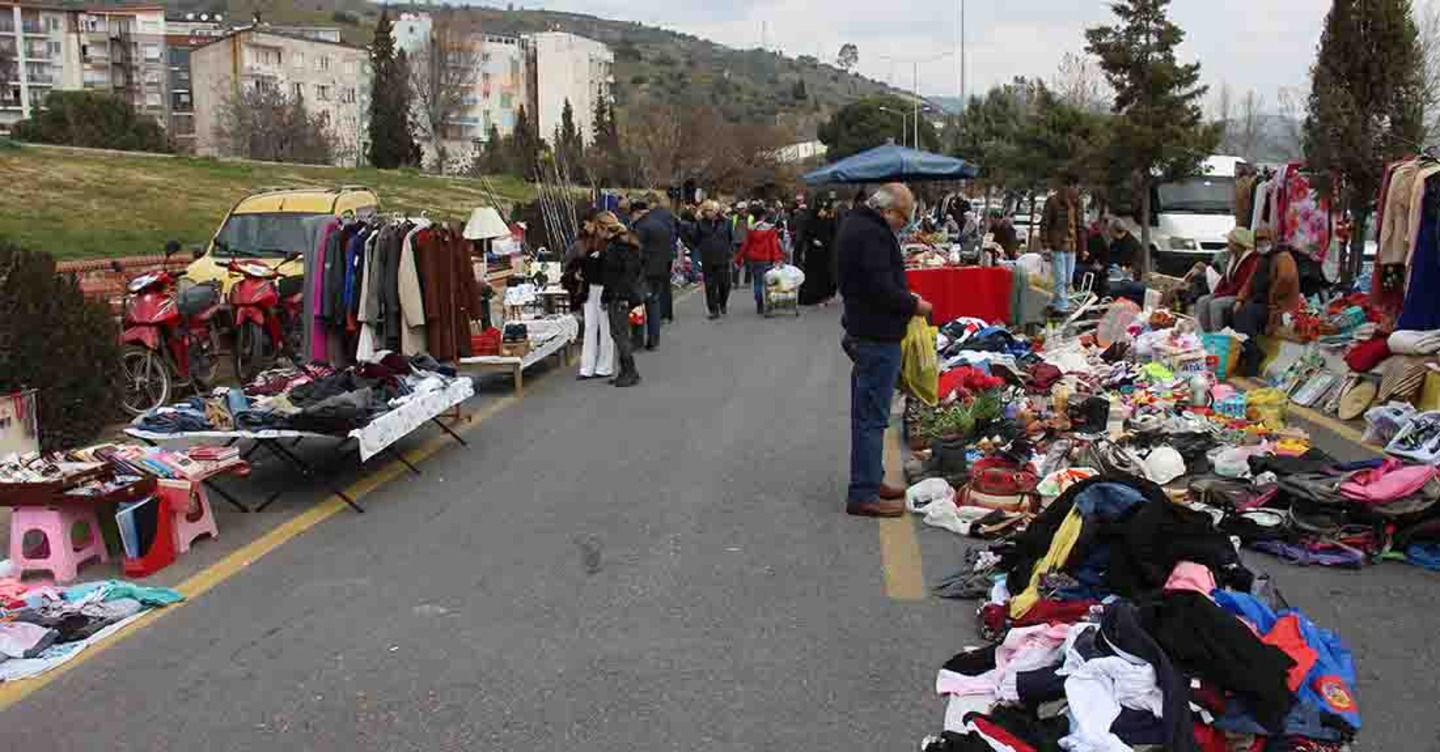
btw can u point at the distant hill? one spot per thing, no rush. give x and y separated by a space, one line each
650 63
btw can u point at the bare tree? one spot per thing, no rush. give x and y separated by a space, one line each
261 121
1429 27
1224 110
1080 83
1247 130
652 141
1289 133
443 73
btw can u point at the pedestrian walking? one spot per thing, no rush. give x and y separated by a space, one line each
656 233
661 215
819 247
760 252
585 263
1062 230
623 274
878 308
712 238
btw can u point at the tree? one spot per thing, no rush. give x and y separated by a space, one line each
1248 128
569 146
871 122
55 340
1159 134
392 143
1080 83
525 147
95 119
848 57
263 122
442 75
1429 28
1367 103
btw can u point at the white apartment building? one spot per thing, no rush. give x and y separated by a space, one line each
567 67
332 79
117 49
498 90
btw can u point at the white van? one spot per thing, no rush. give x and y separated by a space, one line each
1190 218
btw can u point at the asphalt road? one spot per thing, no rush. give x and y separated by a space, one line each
666 567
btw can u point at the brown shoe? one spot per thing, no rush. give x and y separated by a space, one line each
875 508
890 493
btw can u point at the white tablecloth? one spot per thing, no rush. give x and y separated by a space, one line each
547 337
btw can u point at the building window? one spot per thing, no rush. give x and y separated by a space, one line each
153 99
152 52
347 95
322 63
152 77
52 24
505 100
52 49
297 60
180 100
349 67
322 92
297 91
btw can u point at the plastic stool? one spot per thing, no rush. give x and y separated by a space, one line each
180 494
63 559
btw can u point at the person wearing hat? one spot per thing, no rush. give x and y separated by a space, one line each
1216 310
1271 291
623 276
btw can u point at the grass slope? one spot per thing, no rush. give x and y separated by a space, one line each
76 204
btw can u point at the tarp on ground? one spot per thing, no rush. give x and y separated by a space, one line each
892 163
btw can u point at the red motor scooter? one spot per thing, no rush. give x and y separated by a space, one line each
267 310
166 338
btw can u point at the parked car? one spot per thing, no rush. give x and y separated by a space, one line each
274 224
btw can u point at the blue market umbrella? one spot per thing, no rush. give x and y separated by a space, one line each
892 163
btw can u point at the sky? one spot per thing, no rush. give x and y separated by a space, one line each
1260 45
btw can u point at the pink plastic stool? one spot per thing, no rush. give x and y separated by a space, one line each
63 559
187 499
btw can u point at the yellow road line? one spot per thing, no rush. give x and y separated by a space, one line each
899 548
237 560
1314 416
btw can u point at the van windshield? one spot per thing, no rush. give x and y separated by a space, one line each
274 235
1198 195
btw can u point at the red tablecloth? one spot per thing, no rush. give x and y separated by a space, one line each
981 292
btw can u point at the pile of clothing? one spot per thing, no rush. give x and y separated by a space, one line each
42 627
313 397
1120 618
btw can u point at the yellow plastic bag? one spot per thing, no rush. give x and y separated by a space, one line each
919 364
1267 406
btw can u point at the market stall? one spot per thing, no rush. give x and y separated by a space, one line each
1113 472
973 291
542 338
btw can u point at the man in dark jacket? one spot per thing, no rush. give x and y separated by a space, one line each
667 218
656 231
878 308
712 237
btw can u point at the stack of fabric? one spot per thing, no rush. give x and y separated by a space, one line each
1121 619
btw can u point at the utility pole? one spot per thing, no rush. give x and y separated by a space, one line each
917 104
962 56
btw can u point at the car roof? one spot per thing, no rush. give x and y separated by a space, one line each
306 200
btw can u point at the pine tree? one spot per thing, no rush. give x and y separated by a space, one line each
569 146
490 158
525 146
392 141
1366 102
1160 134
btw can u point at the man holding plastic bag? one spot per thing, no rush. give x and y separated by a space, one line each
878 309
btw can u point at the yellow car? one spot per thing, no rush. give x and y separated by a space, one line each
273 224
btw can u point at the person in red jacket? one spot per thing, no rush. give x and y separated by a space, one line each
1215 311
761 251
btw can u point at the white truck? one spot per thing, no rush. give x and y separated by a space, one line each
1190 218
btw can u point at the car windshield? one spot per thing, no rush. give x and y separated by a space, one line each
274 235
1199 195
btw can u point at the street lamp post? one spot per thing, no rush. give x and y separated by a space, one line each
904 132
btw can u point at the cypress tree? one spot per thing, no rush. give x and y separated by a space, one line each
392 141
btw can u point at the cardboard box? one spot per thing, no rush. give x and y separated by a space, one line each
514 349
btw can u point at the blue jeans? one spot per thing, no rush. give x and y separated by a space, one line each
757 277
1062 270
872 387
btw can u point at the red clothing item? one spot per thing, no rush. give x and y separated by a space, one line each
1367 355
1236 279
1286 636
762 246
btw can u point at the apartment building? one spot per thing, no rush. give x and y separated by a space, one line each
332 79
33 42
498 84
567 67
119 49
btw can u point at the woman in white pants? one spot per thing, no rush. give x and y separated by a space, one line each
597 352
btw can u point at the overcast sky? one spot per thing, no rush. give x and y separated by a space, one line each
1249 44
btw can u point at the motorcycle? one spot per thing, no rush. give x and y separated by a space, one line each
167 338
267 310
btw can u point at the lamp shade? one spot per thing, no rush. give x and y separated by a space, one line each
485 223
